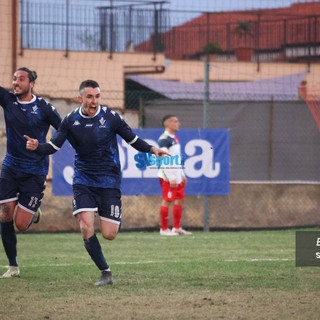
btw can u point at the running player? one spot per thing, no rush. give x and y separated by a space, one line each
97 177
23 173
172 180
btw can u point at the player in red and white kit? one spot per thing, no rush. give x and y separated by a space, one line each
172 179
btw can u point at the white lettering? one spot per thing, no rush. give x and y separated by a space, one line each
130 171
128 162
151 171
206 158
68 174
195 166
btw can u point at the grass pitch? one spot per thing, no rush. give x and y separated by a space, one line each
214 275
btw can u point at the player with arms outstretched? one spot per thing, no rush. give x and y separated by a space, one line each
93 129
23 173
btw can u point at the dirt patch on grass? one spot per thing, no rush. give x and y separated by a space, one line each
108 303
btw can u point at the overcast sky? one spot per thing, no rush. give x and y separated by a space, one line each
198 5
188 9
223 5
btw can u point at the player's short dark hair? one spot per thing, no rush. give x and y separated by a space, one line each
165 118
32 75
88 84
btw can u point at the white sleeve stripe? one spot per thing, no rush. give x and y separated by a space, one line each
54 146
134 140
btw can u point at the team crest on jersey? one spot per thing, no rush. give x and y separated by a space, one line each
34 109
102 121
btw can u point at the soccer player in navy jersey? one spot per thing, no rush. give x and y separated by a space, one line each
97 177
23 173
172 179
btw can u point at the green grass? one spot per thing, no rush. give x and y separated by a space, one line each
194 275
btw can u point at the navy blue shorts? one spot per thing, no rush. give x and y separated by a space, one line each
107 202
26 188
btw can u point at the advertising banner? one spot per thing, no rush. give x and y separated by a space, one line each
204 159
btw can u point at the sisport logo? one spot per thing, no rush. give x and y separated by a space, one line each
148 159
198 160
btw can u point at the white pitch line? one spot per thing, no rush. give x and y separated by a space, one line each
145 262
258 260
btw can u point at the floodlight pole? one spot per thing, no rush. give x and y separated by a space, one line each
206 202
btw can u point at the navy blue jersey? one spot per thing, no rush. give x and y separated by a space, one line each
32 118
94 139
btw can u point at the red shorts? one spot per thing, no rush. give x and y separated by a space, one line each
170 194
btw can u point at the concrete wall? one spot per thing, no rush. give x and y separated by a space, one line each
248 206
6 33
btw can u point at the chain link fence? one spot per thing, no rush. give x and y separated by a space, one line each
274 159
274 141
274 36
274 156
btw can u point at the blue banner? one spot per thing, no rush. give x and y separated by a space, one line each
206 164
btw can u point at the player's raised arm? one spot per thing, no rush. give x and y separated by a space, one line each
132 139
159 152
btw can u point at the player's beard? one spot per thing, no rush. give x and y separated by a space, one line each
22 94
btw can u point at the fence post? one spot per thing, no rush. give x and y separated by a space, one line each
270 164
309 43
111 32
67 28
206 203
257 40
285 39
156 33
141 112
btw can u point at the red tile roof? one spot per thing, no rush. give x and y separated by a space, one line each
288 25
